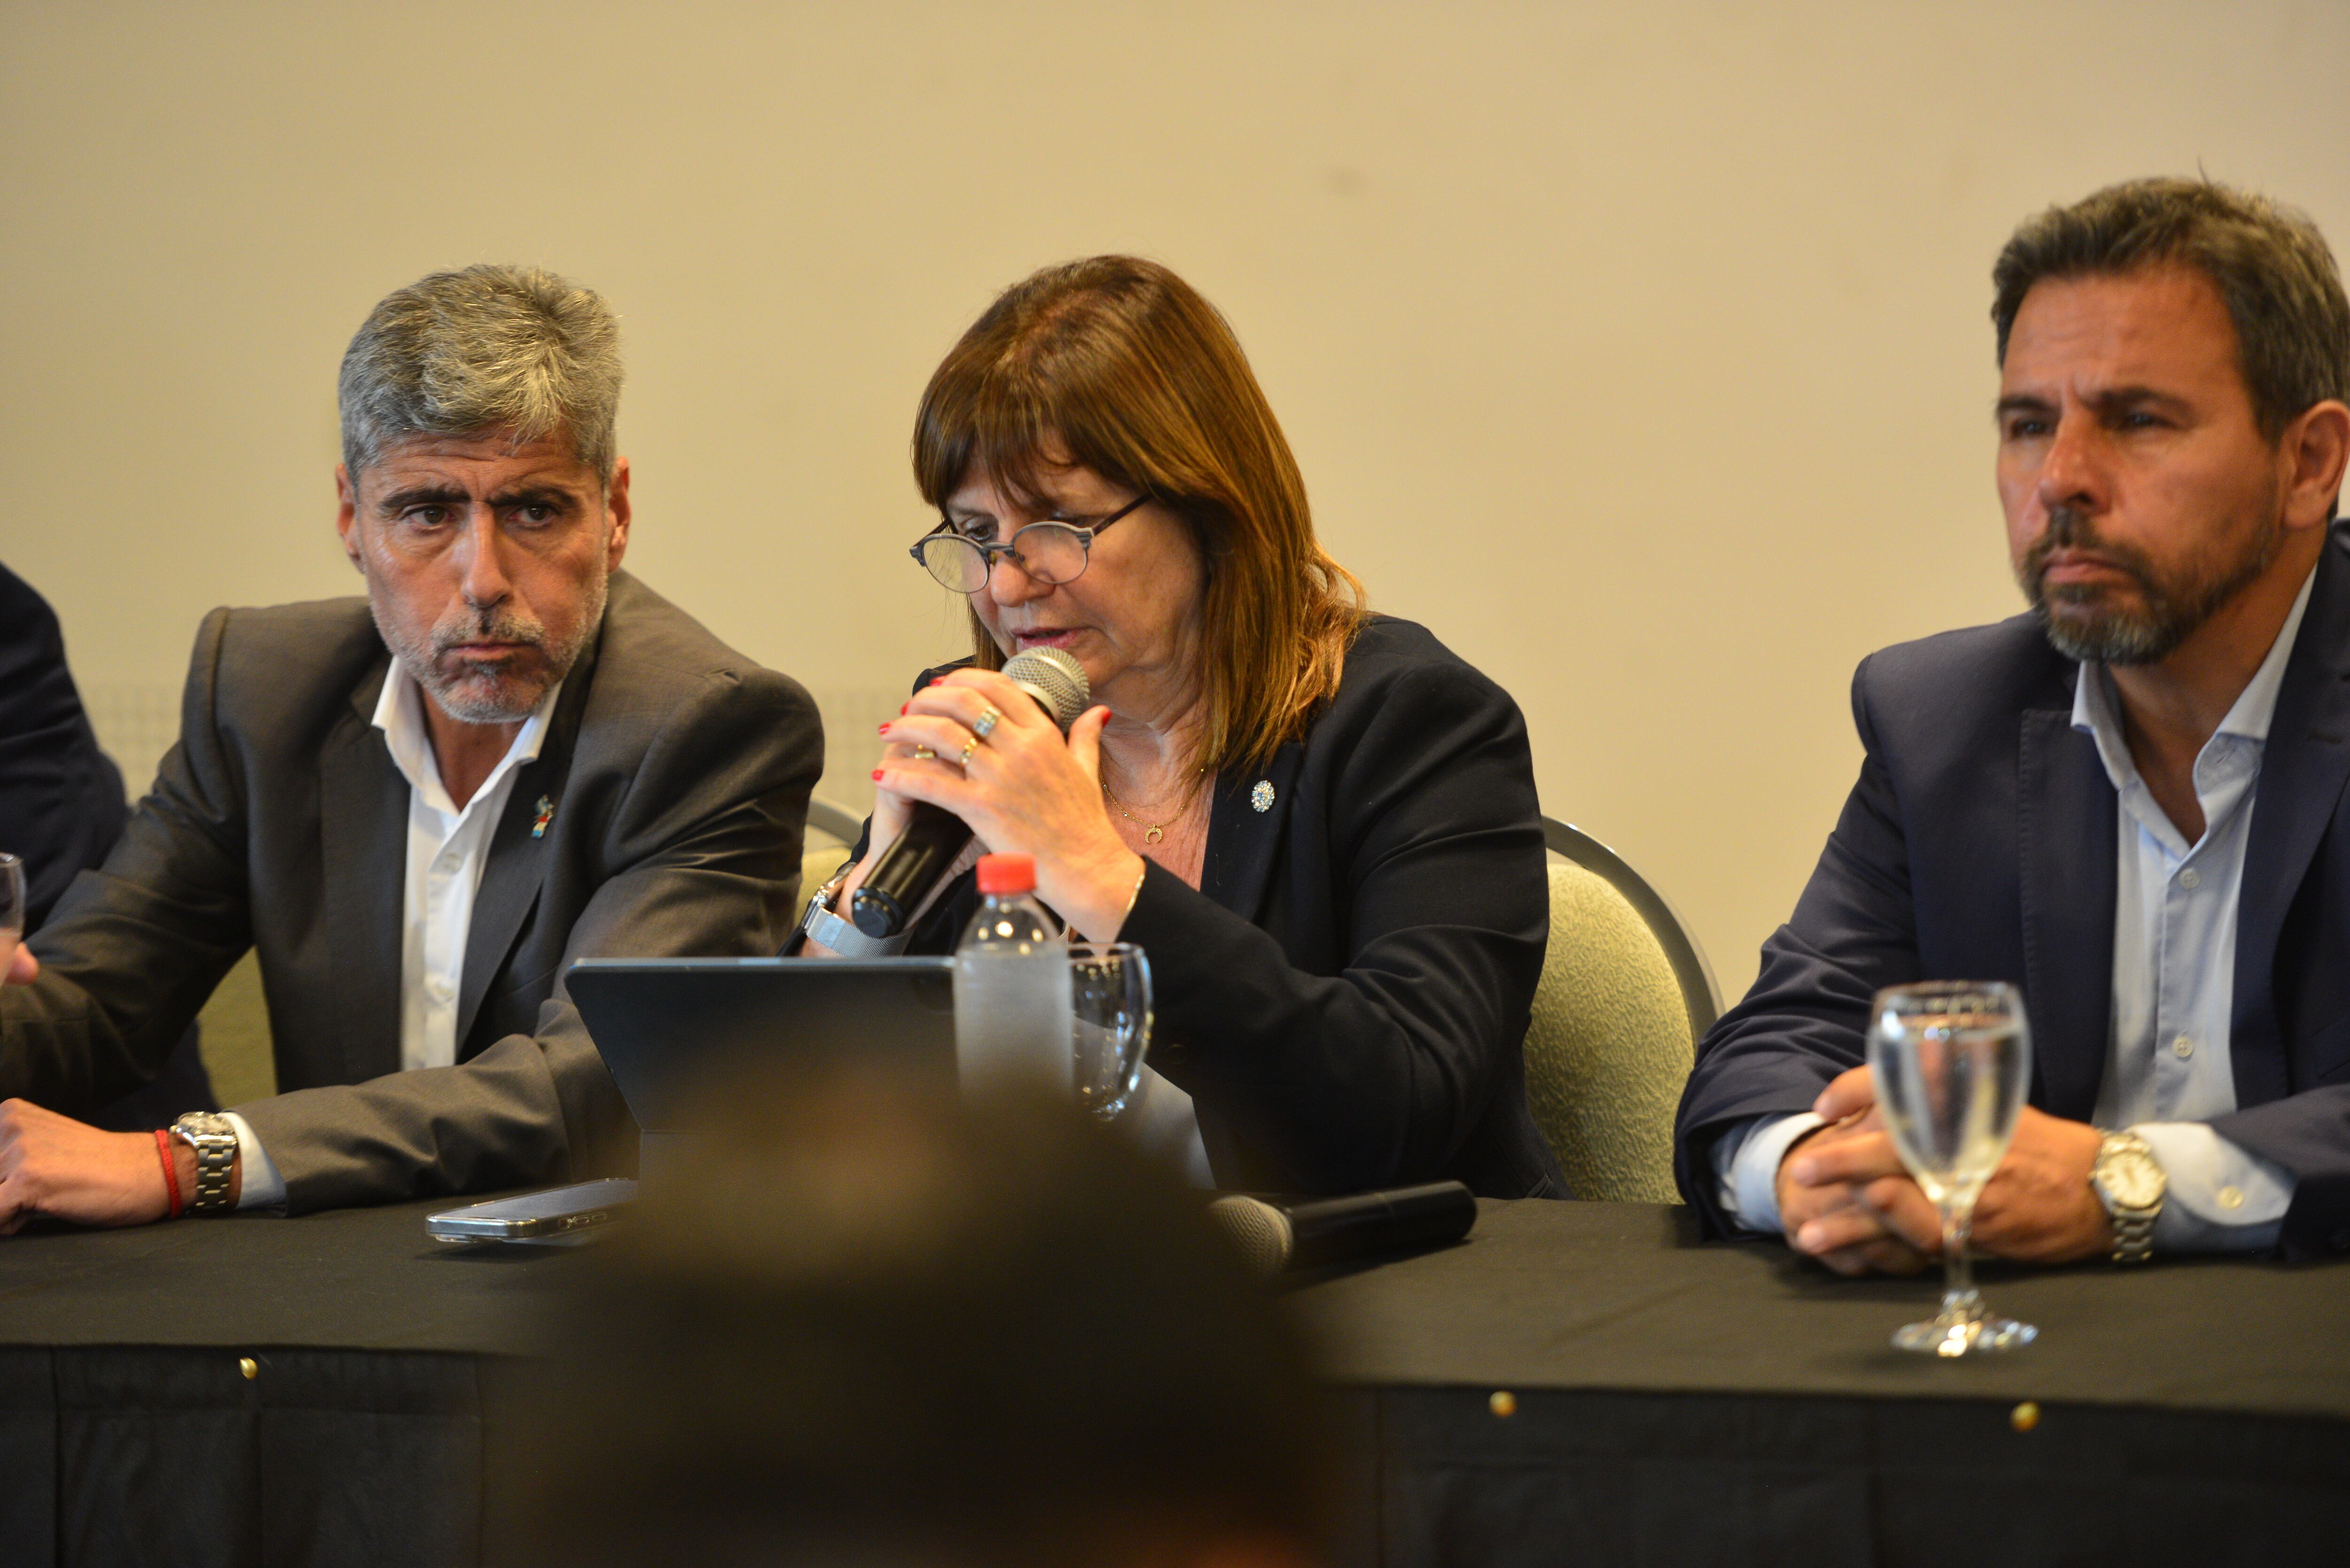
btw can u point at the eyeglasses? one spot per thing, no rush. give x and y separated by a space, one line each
1051 552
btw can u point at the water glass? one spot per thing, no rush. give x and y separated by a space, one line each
1951 1060
1109 993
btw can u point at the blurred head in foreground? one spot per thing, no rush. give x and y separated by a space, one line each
867 1328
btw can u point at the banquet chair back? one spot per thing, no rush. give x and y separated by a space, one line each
236 1041
1625 993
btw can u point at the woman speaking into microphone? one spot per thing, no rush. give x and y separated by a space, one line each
1319 822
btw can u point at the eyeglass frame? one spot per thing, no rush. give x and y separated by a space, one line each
990 551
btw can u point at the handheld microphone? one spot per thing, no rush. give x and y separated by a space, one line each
911 870
1284 1237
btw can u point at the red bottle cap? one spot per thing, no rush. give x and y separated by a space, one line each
1000 874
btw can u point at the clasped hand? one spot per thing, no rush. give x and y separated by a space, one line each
1025 790
1846 1199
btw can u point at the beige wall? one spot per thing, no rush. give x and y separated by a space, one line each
1640 350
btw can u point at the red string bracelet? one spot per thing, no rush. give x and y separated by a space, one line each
170 1168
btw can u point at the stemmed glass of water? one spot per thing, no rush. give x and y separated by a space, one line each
1951 1059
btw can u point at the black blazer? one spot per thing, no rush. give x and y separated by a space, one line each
1346 994
1979 844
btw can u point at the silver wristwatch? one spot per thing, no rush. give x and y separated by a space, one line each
820 924
213 1138
2129 1182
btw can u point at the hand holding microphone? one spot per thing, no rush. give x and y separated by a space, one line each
981 752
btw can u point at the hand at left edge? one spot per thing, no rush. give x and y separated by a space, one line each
56 1167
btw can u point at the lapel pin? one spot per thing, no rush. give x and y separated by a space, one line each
546 815
1261 797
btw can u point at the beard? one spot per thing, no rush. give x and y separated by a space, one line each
2082 624
481 693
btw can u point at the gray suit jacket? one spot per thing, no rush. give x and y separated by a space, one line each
680 773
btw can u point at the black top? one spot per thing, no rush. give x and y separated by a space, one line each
1346 994
1982 842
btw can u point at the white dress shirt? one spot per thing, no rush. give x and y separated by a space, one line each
448 847
2168 1068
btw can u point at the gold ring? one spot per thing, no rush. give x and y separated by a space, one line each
988 720
968 747
925 754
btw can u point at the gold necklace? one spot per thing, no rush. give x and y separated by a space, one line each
1152 832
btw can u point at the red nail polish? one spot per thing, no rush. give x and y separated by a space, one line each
885 729
938 681
877 773
903 706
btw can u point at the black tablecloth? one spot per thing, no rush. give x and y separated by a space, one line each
1606 1295
1668 1402
1671 1402
130 1432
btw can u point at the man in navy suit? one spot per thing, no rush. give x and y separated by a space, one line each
62 808
2129 802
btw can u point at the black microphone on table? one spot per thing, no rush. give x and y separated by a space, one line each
912 869
1283 1236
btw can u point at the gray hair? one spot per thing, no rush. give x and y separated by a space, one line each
486 349
2268 262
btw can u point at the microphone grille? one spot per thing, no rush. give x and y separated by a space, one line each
1260 1230
1057 681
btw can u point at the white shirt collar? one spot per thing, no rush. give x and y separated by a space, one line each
2248 717
400 715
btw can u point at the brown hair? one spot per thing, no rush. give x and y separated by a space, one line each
2268 262
1117 365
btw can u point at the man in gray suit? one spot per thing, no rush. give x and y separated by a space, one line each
420 807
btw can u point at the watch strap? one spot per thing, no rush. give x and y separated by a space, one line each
2134 1236
2133 1223
821 925
213 1138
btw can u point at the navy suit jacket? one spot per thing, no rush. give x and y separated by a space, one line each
61 804
1979 844
62 808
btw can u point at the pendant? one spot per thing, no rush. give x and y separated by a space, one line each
1153 835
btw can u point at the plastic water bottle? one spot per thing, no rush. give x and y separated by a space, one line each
1015 1026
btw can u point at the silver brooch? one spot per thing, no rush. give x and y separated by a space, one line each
1261 797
